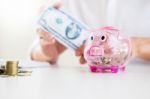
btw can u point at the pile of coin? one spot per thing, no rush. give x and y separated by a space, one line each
12 69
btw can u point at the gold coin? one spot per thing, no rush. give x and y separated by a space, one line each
24 73
11 68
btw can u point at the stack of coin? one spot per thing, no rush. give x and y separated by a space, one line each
12 69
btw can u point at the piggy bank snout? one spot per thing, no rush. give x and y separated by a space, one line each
96 51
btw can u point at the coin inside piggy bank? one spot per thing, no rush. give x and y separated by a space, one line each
107 50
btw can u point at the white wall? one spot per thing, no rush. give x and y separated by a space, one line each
132 16
17 26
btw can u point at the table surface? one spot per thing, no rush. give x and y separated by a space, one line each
76 82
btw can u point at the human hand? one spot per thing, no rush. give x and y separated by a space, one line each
141 47
80 53
51 48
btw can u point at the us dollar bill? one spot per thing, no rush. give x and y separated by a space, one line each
66 29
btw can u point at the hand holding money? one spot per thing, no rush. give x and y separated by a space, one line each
48 49
69 31
63 27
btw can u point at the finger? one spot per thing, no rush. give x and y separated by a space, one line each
50 51
52 62
56 5
41 31
46 39
79 51
60 47
45 42
45 35
82 60
50 38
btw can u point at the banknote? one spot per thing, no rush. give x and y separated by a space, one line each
66 29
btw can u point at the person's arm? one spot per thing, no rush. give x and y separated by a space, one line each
141 47
47 49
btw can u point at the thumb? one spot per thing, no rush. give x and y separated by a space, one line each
79 51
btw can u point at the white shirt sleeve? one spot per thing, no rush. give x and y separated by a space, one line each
33 45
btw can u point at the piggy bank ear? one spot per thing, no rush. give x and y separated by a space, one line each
108 28
111 30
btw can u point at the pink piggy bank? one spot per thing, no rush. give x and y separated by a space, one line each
107 50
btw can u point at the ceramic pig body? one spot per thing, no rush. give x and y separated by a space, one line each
107 50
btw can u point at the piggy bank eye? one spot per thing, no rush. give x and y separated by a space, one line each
103 38
92 38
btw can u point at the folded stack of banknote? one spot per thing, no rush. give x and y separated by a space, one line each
67 30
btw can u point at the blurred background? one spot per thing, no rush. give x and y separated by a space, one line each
18 23
17 26
18 29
